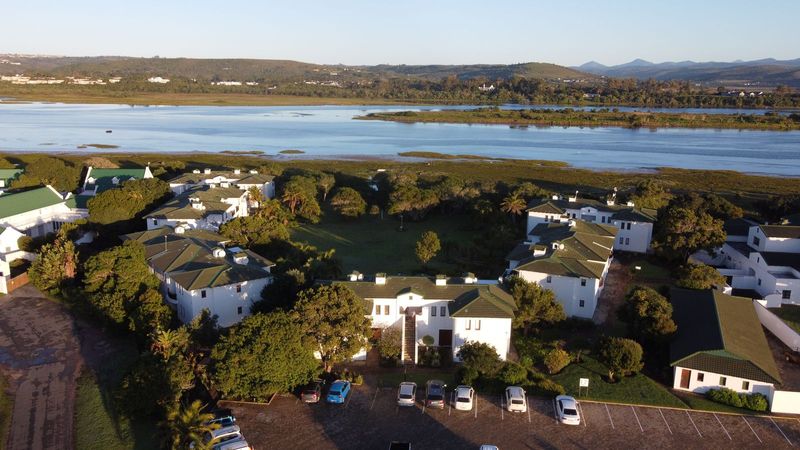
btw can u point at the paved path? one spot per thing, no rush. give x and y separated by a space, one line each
40 353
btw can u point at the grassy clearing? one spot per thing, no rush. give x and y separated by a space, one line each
6 408
790 314
97 423
638 388
371 244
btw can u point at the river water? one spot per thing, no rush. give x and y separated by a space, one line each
330 131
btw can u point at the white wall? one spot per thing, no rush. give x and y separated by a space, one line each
711 380
222 301
637 239
495 332
535 218
39 222
569 292
787 402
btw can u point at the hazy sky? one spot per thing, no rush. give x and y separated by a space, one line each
408 31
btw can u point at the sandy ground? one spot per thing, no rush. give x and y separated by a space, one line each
40 353
616 286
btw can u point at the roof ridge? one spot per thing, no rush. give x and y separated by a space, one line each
719 321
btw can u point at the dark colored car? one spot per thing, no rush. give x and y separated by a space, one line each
312 392
434 393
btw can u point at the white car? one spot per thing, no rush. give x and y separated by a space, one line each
464 398
567 410
489 447
406 394
515 399
236 444
220 435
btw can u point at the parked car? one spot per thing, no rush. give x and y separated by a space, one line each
407 393
235 444
223 420
567 410
489 447
515 399
338 391
312 392
464 398
220 435
434 394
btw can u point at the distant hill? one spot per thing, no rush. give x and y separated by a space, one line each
265 69
766 72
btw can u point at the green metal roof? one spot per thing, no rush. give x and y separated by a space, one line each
489 301
721 334
78 201
9 174
104 177
21 202
781 231
180 207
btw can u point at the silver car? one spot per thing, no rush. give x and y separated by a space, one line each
567 410
464 398
515 399
407 393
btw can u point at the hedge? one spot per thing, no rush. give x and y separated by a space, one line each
755 401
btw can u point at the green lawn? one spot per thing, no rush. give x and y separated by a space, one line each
97 423
371 244
789 314
6 407
638 389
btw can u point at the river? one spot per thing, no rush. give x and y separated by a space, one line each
330 131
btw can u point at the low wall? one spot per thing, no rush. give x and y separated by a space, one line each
17 282
777 327
787 402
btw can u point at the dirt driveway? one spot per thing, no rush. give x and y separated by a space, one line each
40 354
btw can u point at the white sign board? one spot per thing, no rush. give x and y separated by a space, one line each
584 382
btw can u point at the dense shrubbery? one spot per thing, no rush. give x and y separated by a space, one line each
754 401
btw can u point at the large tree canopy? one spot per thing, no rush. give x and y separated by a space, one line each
127 202
427 247
348 202
335 319
648 314
682 231
256 229
699 276
620 356
62 175
263 355
535 304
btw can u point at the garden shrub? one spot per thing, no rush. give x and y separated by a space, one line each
555 360
755 401
513 373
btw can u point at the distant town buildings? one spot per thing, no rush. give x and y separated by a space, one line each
158 80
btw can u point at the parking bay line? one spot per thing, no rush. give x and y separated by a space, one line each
695 425
751 429
502 414
609 416
637 419
373 398
583 416
779 429
665 421
476 406
450 405
529 409
723 427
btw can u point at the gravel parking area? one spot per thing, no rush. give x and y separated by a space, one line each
370 419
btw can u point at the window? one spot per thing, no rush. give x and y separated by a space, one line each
549 279
442 311
239 310
700 376
155 221
583 282
627 241
238 288
722 381
759 281
386 310
468 325
411 297
786 294
603 219
756 241
433 311
203 294
629 225
377 310
758 259
581 303
478 324
621 241
745 385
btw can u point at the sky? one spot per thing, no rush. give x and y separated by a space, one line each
408 31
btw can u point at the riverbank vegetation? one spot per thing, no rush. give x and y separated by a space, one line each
569 117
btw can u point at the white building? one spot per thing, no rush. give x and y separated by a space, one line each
764 263
197 272
635 225
237 178
451 311
158 80
719 343
569 258
9 251
203 207
39 211
98 180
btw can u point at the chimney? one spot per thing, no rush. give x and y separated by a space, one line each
574 198
196 171
572 223
355 276
630 204
225 184
218 252
207 171
380 278
237 171
555 197
253 172
441 280
180 229
241 258
470 278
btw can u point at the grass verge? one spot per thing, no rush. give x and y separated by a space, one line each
790 314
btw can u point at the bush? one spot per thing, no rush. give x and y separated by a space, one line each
699 276
556 360
427 340
513 373
755 401
389 344
550 387
374 210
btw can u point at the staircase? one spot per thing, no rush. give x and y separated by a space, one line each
410 339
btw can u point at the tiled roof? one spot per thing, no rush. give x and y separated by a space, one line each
721 334
180 207
586 248
188 258
490 301
621 212
781 231
244 177
79 201
782 259
21 202
103 178
738 227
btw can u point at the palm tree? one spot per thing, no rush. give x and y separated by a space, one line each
168 343
188 424
292 198
514 205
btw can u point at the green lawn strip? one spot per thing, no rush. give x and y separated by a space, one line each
371 244
6 408
701 403
636 389
98 425
790 314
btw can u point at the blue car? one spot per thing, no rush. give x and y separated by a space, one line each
338 391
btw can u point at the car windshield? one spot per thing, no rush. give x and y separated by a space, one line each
570 412
516 401
463 399
334 392
406 396
435 397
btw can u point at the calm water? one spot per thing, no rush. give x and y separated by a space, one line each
330 131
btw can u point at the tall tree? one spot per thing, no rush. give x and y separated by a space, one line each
62 175
699 276
535 305
187 426
334 317
651 194
130 201
427 247
263 355
620 356
648 315
513 204
55 264
681 231
348 202
252 230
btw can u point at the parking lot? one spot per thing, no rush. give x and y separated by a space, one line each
370 419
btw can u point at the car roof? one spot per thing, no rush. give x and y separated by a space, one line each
225 430
515 390
408 383
567 400
407 387
440 382
461 389
339 383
